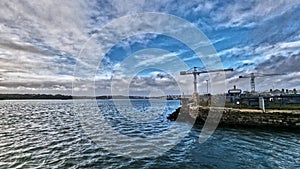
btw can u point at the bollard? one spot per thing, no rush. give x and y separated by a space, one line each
261 104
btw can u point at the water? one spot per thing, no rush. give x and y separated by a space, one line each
50 134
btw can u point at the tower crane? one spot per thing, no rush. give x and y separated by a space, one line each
197 71
252 76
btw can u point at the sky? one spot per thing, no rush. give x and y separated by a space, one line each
52 47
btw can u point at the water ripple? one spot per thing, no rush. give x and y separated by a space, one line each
48 134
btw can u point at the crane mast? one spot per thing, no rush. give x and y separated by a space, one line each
195 80
197 71
252 77
252 82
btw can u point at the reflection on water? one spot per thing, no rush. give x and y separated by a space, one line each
48 134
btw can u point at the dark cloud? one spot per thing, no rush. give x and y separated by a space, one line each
281 28
280 64
244 66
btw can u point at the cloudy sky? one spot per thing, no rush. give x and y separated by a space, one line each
43 45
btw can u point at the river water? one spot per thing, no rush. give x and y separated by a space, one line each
52 134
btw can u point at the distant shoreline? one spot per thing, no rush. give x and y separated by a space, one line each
34 97
69 97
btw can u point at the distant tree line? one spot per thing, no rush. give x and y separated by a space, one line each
33 96
66 97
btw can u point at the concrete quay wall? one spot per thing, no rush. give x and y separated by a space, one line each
243 117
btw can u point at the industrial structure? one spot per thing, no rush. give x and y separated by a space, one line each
252 76
197 71
235 97
270 99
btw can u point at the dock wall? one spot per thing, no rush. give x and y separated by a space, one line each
245 117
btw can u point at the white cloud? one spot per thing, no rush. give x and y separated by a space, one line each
40 39
285 45
249 13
